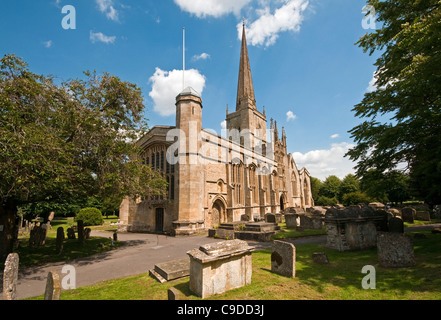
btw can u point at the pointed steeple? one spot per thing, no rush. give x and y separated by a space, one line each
245 90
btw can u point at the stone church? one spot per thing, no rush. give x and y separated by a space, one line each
242 174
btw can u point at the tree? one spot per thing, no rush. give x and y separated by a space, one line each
330 187
349 184
403 115
316 185
70 141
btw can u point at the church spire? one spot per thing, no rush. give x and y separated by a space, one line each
245 90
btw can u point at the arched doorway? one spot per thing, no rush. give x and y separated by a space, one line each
159 221
218 213
282 203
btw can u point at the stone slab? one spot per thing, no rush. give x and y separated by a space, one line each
173 269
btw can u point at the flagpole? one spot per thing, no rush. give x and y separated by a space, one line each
183 59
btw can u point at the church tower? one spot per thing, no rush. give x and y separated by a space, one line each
247 121
189 188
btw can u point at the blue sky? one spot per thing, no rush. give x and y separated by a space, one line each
307 70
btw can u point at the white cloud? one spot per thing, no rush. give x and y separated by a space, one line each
48 44
213 8
202 56
106 7
290 116
323 163
100 37
265 30
166 85
335 136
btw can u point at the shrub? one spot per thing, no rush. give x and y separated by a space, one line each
326 201
354 198
90 216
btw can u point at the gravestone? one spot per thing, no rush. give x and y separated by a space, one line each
395 250
396 225
71 233
219 267
87 232
422 215
115 236
38 236
320 258
80 231
173 294
10 277
291 220
60 239
53 286
283 258
270 217
408 214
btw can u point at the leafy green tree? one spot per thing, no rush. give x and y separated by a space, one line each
316 185
330 187
402 117
349 184
69 141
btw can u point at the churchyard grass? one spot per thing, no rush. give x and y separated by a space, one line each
72 249
341 279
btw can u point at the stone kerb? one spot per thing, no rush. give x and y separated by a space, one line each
220 267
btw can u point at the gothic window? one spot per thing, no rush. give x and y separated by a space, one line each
155 157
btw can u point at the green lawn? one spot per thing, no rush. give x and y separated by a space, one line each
340 280
72 249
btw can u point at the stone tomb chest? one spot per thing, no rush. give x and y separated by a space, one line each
218 267
354 228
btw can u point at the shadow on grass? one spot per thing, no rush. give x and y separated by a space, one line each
344 271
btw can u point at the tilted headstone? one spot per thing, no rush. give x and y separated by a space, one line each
60 239
71 233
10 277
408 214
283 259
396 225
87 232
395 250
38 235
53 286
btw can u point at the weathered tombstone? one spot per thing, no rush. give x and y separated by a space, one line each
80 231
283 258
320 258
394 212
408 214
38 235
51 216
71 233
87 232
422 215
395 250
10 277
291 220
173 294
53 286
270 217
115 236
60 239
219 267
396 225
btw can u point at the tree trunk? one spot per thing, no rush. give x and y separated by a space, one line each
8 228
